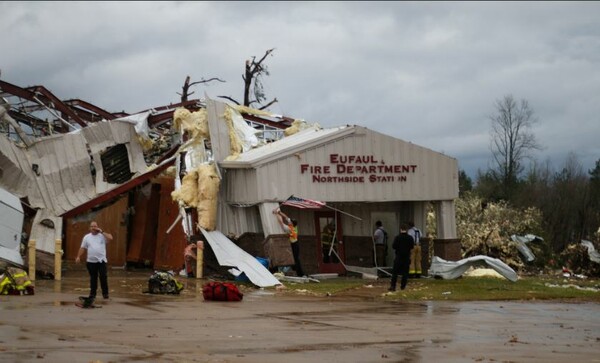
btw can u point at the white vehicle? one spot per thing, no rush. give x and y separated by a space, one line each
11 225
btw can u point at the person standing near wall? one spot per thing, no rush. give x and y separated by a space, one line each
415 259
403 244
189 257
291 228
95 245
380 240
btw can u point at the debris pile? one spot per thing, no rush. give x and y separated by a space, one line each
578 260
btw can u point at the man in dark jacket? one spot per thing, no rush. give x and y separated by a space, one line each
403 243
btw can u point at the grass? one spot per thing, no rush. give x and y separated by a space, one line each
461 289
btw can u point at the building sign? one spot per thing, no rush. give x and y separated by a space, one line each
357 169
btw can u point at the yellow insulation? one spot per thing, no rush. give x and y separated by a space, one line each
297 125
145 142
199 189
234 140
208 190
252 111
188 193
195 123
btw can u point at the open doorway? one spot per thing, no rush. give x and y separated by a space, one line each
329 246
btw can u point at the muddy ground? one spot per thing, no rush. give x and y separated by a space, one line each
281 326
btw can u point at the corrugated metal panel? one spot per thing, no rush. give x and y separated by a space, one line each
236 220
435 176
64 165
57 175
103 135
236 192
16 176
219 132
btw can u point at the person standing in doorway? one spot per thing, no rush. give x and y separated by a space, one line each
380 240
415 258
95 245
403 244
290 226
328 239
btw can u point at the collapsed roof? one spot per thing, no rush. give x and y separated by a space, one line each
61 154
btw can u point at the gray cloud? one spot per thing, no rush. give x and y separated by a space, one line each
428 73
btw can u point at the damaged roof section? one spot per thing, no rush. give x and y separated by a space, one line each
62 171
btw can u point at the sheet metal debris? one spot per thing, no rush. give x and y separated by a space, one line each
229 254
522 241
594 255
453 269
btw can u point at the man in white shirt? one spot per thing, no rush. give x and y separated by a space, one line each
95 245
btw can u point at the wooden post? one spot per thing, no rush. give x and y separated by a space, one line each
58 252
31 253
199 261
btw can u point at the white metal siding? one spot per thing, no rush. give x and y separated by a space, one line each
436 176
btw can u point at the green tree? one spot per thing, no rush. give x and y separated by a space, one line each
566 206
465 184
595 199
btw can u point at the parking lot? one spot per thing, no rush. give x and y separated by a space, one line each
272 325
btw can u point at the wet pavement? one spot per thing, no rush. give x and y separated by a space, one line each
276 326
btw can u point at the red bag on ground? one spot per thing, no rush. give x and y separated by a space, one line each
221 291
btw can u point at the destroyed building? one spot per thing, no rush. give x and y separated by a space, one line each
155 177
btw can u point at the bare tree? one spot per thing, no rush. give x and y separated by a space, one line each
253 86
511 140
185 93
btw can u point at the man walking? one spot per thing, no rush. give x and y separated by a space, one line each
403 243
95 245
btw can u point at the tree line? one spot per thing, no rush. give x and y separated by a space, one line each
568 197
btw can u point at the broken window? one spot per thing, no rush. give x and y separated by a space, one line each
115 163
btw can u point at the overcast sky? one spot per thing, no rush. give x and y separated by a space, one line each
428 73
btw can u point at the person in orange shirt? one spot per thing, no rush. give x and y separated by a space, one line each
290 226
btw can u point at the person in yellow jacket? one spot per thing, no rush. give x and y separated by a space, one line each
415 258
15 281
290 226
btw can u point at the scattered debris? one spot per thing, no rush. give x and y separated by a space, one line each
572 286
228 254
296 279
454 269
594 255
521 242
